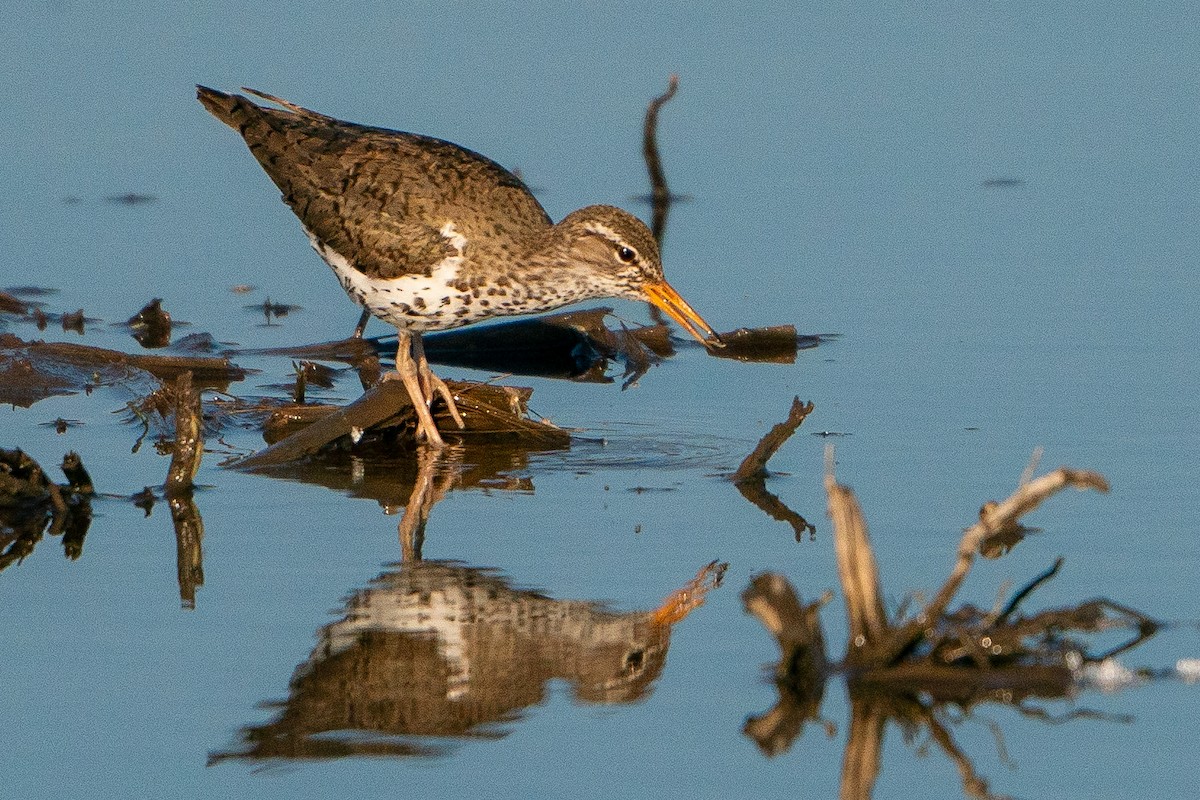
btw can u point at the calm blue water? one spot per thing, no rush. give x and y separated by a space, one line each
837 162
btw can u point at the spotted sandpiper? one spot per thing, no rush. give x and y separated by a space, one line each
427 235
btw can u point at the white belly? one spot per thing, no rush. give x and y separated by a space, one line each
410 302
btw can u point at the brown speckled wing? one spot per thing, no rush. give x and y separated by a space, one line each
380 198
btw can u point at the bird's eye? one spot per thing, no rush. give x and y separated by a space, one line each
627 254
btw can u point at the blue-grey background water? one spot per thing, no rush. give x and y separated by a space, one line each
838 161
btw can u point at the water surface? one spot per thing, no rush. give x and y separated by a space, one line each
992 207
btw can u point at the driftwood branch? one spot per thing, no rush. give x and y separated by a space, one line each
754 466
993 519
909 673
750 476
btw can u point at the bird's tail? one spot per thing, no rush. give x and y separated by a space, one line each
229 108
235 109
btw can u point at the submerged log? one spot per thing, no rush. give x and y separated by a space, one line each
212 372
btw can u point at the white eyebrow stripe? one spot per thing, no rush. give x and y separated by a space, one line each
602 230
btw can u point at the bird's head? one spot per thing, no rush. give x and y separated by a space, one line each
620 255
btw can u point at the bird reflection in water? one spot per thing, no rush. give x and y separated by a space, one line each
442 649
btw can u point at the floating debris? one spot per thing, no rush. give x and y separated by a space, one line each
10 304
777 344
73 321
196 343
30 371
60 425
144 500
152 325
131 199
385 418
31 291
272 311
1003 183
31 506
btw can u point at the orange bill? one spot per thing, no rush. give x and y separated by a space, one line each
666 298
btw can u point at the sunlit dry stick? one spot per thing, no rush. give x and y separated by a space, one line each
992 519
857 569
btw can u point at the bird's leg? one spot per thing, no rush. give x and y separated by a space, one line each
407 369
431 382
362 324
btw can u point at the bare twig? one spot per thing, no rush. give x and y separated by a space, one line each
1028 589
754 466
993 519
660 195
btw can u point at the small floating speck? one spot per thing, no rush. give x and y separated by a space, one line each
1003 183
131 199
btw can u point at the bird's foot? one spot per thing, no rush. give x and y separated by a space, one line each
438 385
427 430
